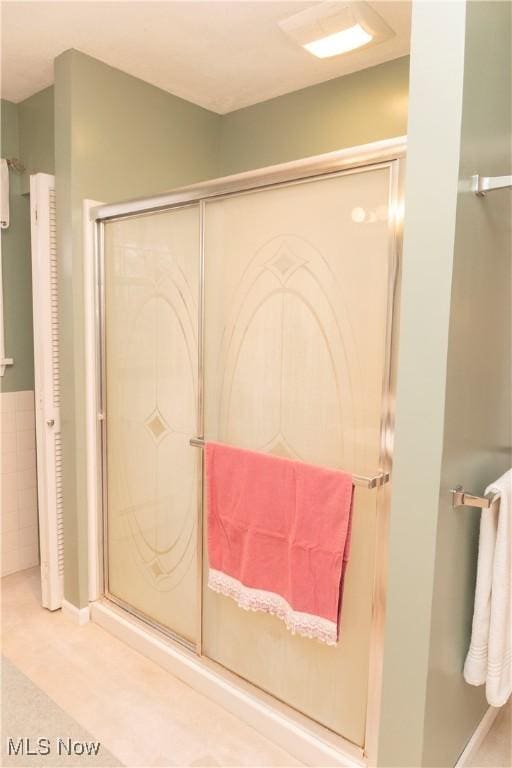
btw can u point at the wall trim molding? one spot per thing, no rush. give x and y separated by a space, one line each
79 616
481 731
303 743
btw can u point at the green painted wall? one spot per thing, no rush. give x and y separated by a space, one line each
356 109
27 133
478 418
453 392
116 137
429 233
36 124
16 267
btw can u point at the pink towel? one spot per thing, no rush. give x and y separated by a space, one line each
278 537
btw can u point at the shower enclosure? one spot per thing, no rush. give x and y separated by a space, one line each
259 311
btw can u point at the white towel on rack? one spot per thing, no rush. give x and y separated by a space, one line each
489 659
4 194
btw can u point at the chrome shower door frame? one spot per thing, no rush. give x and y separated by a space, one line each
388 153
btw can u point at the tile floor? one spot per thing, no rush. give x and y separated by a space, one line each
496 750
27 712
142 714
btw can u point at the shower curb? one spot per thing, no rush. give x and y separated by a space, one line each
301 742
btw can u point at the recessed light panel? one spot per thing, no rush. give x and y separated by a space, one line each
334 28
339 42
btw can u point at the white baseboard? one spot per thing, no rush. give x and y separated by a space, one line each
478 736
301 742
78 615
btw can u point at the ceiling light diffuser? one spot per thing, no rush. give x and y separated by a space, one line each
340 42
333 28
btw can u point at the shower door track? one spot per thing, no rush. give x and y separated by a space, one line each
387 153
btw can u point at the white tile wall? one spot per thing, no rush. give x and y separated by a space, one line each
19 523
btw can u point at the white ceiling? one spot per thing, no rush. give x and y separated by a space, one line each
221 55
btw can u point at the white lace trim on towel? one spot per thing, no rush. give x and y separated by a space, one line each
260 600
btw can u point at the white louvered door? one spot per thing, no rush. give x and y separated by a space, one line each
47 386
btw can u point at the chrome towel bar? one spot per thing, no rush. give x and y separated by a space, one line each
360 480
460 498
480 185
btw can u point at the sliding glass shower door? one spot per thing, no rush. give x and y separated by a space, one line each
151 288
263 316
297 287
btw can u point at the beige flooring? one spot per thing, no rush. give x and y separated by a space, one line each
496 749
141 714
28 714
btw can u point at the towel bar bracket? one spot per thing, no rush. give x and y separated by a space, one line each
4 362
360 480
460 498
480 185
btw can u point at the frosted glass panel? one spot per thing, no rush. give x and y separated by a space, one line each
296 292
151 309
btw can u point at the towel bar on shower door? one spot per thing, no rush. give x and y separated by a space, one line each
361 480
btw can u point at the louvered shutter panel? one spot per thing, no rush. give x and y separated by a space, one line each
47 386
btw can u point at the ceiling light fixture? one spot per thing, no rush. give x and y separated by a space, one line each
332 28
339 42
